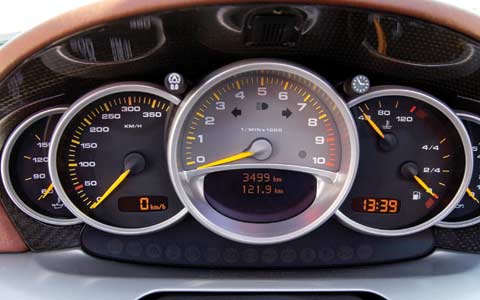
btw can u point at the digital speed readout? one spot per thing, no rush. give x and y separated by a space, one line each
143 204
376 205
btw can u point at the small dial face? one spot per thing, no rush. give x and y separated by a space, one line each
26 161
360 84
467 211
413 163
110 160
262 143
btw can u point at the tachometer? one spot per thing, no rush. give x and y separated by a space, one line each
25 169
108 159
467 211
416 162
263 151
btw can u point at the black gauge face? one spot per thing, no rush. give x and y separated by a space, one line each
412 163
469 207
26 160
262 151
111 161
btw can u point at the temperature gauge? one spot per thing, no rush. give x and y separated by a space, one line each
415 162
25 169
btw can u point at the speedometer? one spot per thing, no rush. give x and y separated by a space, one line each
263 152
108 159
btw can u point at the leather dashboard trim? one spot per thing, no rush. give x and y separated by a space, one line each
10 240
26 44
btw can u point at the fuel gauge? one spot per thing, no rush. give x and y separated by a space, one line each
25 169
415 165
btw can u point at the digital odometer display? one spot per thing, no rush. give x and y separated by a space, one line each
262 183
260 195
376 205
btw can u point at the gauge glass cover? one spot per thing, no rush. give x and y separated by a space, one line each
415 162
467 211
244 138
109 162
25 169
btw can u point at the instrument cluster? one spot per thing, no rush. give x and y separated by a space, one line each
260 152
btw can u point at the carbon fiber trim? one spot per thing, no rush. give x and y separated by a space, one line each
464 239
38 236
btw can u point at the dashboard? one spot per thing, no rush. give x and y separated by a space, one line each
245 144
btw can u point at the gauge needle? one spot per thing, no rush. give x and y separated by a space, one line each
472 195
47 191
226 160
425 186
260 149
112 188
373 125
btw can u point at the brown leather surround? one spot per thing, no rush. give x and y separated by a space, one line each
10 240
26 44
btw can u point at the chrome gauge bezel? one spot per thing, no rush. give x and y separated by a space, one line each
78 106
463 115
264 233
382 91
5 169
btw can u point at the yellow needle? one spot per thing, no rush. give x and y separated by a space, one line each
425 187
373 125
472 195
226 160
47 191
114 185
